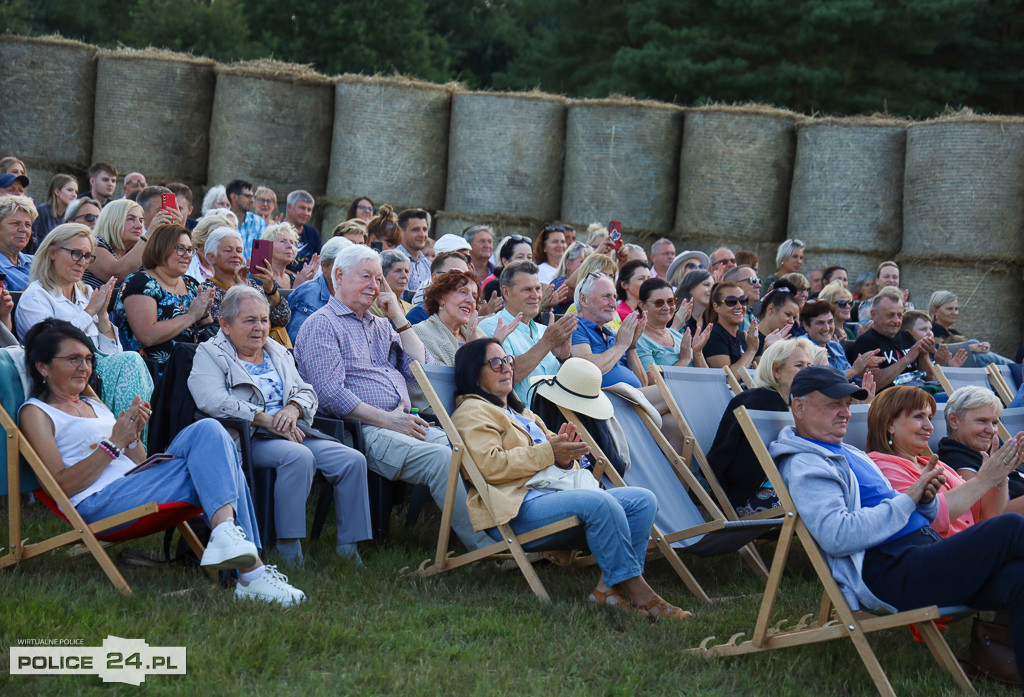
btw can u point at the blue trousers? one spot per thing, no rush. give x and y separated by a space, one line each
982 566
204 472
617 523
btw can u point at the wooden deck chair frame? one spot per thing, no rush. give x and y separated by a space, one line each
718 521
462 464
693 452
85 534
835 619
738 376
995 378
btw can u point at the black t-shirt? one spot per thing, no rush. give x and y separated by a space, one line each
721 343
891 350
959 456
731 457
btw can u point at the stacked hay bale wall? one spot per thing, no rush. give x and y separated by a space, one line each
271 125
153 114
734 176
505 158
846 200
621 163
390 143
47 94
963 226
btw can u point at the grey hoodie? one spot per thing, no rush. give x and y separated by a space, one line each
827 497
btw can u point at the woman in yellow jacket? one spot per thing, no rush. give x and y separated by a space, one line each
511 446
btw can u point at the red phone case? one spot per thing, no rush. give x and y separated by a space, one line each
615 234
261 252
169 201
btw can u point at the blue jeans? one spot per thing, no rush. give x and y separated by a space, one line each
617 523
205 472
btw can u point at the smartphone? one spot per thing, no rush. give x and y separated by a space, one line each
151 461
615 234
261 253
169 201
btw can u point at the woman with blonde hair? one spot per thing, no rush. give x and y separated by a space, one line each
120 243
63 189
286 246
265 203
57 291
353 230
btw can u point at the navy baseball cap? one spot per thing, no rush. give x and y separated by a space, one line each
830 381
8 179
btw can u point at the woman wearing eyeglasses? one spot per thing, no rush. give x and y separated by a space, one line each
511 445
119 243
56 291
660 343
728 345
841 300
264 203
160 305
362 208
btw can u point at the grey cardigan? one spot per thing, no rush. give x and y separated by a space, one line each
223 388
827 496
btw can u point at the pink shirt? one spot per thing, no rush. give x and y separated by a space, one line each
903 473
624 309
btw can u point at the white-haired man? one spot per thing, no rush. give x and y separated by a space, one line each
359 363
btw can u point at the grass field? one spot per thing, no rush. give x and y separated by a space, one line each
475 631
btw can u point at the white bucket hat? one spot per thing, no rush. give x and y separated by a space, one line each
577 387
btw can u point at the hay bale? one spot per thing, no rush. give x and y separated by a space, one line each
49 83
964 187
847 191
505 154
153 113
734 174
271 125
991 296
621 162
390 141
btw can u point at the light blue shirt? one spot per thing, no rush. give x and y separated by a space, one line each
250 229
419 271
524 338
650 351
17 274
304 301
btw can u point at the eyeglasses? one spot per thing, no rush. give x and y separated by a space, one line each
725 261
365 208
89 217
77 362
844 303
733 301
245 195
265 201
498 364
662 302
184 251
754 281
78 255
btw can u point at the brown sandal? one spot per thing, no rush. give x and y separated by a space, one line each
664 609
601 598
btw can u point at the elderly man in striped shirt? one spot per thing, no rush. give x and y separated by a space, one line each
358 364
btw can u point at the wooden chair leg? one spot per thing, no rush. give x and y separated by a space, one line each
943 654
195 545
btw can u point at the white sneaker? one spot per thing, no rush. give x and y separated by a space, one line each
271 587
230 550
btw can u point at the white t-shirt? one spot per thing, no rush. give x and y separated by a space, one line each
546 272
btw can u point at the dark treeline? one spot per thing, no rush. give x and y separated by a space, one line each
905 57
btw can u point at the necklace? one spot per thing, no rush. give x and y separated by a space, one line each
64 404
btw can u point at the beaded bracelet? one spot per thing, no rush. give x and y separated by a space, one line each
110 449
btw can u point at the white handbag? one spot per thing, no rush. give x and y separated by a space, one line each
554 478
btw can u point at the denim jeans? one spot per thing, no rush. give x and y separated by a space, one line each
205 472
617 523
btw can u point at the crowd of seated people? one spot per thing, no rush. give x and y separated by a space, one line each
116 283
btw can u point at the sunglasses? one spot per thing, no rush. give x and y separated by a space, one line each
662 302
694 267
725 261
733 301
844 303
754 281
497 364
89 217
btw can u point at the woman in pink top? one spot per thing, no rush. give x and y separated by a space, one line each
899 426
627 286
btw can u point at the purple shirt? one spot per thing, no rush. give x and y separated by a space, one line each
349 360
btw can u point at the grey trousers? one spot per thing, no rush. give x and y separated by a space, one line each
396 456
296 463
